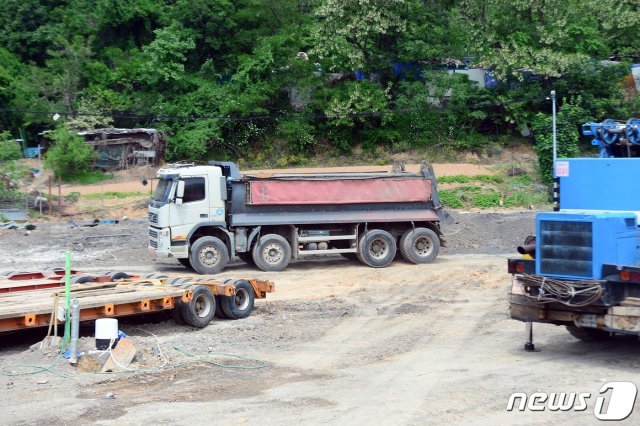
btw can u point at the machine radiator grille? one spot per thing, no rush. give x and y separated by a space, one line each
153 243
566 248
153 217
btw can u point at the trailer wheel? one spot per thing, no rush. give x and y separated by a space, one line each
81 279
240 305
209 255
176 312
420 245
377 248
219 312
272 253
201 309
588 334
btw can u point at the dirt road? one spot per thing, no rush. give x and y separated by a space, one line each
343 343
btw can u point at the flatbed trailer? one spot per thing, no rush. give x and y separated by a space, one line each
192 300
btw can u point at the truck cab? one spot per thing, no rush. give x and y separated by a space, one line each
186 198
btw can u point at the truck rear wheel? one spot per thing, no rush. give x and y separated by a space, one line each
419 245
377 248
272 253
209 255
588 334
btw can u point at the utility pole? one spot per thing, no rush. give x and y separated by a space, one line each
553 115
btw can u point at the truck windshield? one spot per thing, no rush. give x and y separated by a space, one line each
163 190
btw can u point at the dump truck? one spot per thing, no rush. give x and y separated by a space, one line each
204 215
582 268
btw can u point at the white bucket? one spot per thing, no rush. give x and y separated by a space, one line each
106 332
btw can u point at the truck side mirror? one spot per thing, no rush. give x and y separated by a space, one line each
179 192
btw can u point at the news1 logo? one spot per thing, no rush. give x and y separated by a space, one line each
615 401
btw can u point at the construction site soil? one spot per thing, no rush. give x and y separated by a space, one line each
337 343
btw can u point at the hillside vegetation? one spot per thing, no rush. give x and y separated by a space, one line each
282 81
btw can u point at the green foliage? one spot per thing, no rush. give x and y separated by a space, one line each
9 149
235 79
567 127
467 179
113 194
89 178
69 156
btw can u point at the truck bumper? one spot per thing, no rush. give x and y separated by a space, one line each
615 319
160 241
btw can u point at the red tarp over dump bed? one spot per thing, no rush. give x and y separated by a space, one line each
344 191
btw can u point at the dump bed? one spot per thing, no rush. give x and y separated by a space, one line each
393 196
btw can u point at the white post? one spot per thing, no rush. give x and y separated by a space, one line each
553 116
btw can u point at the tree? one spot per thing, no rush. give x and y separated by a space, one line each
70 155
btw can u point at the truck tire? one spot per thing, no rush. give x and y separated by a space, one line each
247 258
201 309
240 305
272 253
185 262
419 245
588 334
349 256
377 248
209 255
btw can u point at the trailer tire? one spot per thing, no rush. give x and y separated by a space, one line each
272 253
185 262
588 334
81 279
240 305
219 312
209 255
176 312
201 309
377 248
419 245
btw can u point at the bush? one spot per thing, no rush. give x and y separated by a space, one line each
69 155
9 150
567 134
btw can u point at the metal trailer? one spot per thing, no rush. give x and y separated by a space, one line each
268 220
35 299
582 270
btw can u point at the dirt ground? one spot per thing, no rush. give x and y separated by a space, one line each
342 343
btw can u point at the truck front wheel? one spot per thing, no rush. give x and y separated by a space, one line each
209 255
419 245
377 248
272 253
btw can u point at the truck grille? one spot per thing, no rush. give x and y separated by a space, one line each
153 217
153 234
566 248
153 243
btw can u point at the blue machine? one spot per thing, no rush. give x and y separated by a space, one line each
597 221
613 138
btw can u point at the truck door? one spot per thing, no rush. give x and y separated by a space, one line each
194 208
